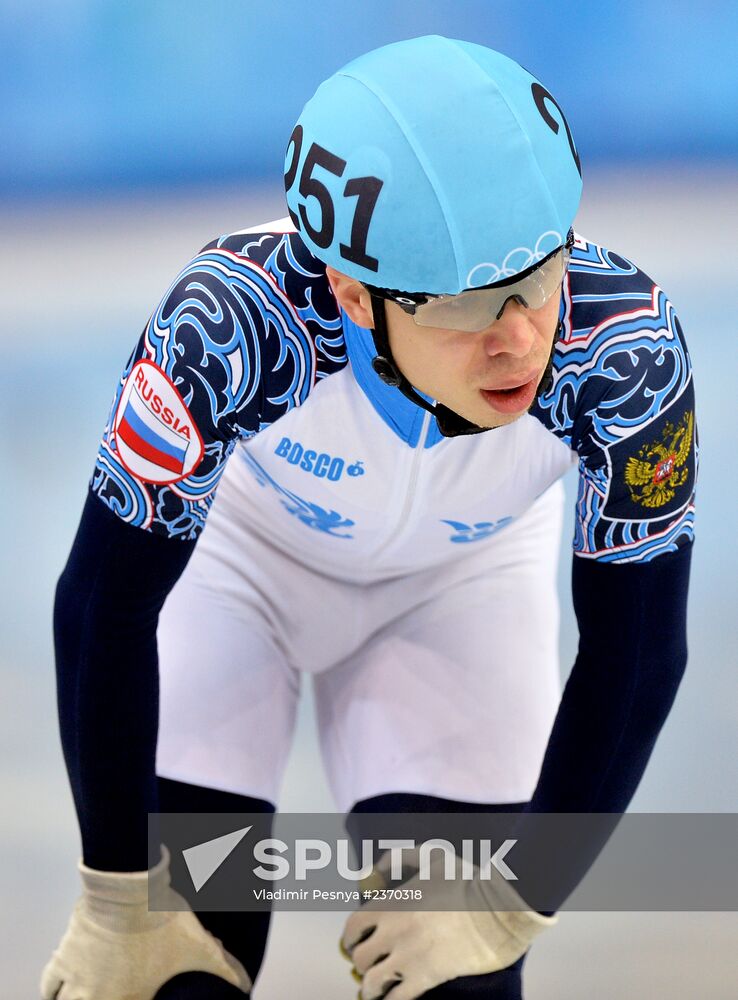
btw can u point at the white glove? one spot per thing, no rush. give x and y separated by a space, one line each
418 950
116 949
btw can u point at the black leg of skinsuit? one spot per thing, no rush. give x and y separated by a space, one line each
244 935
507 984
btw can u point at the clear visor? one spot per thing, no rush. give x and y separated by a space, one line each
479 307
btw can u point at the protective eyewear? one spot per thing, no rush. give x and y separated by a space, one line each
477 308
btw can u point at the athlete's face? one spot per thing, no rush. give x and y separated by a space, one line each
489 377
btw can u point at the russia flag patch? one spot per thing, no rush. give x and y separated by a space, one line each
156 438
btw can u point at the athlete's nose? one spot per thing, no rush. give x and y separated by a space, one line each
511 333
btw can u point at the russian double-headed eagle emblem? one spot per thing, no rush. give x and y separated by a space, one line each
659 469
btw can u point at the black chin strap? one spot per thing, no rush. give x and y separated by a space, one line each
450 424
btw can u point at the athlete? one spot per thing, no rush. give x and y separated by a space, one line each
385 389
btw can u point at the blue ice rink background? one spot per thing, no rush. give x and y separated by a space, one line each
134 133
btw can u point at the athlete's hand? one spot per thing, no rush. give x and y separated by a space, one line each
410 952
116 949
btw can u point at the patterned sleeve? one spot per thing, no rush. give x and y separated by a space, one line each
623 389
224 354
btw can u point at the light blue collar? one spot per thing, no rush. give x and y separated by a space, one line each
398 412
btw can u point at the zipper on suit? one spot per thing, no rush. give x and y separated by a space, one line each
411 486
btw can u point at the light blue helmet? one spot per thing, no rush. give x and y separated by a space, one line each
432 165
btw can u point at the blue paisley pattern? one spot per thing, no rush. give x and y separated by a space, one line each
250 326
244 333
621 368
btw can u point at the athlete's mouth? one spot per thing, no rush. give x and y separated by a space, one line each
513 397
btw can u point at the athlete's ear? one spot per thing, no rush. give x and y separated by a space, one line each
352 297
